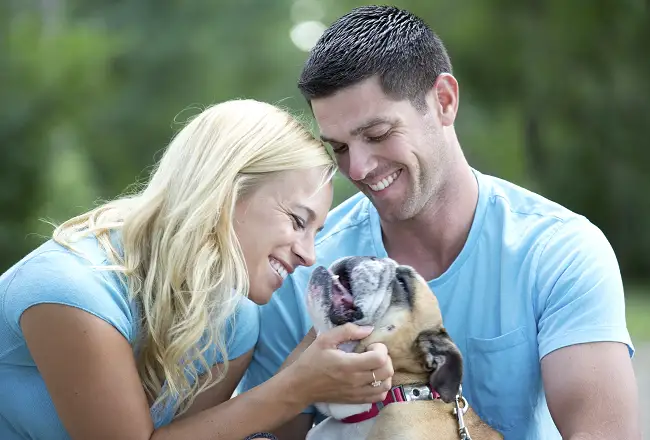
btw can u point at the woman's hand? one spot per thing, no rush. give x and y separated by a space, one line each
327 374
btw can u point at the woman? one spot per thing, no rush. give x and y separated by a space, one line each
138 319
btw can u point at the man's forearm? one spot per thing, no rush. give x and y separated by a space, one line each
300 348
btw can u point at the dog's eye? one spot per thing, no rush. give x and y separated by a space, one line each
402 283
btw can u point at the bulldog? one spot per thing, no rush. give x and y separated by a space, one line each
426 399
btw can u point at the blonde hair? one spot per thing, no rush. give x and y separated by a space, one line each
181 260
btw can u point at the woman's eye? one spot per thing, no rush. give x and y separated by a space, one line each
339 149
298 222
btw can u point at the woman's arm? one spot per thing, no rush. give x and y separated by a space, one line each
89 370
224 390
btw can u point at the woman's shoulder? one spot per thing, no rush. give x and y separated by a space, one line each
79 278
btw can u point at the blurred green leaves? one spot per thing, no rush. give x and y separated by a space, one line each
554 96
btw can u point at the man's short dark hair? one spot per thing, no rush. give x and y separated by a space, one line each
386 41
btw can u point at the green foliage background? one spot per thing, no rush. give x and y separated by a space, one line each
554 96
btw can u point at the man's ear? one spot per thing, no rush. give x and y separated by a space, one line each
443 359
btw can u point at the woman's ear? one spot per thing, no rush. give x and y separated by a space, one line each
443 359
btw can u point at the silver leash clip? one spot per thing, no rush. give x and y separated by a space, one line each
460 411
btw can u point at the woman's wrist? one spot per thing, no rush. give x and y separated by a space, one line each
291 382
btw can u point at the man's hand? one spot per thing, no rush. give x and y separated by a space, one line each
591 392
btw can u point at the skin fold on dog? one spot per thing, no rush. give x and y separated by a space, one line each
406 317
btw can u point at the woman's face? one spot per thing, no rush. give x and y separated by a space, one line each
276 225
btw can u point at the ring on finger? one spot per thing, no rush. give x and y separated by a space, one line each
375 383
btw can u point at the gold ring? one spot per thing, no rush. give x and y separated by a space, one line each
375 383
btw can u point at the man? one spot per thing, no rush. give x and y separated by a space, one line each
530 291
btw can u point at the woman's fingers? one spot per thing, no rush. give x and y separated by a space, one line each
375 358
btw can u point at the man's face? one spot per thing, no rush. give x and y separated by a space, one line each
393 152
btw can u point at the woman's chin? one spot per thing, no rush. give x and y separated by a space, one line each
261 296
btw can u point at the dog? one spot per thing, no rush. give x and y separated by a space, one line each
426 399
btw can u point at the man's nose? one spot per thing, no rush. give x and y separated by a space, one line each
361 162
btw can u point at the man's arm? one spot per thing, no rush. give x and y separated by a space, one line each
584 345
284 334
297 428
591 391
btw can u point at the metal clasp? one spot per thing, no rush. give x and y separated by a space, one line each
416 392
460 411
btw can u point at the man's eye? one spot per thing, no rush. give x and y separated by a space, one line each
378 138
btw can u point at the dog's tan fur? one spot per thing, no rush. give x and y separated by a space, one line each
419 419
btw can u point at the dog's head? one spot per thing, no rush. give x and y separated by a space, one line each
397 301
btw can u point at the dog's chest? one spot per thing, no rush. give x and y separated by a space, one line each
333 429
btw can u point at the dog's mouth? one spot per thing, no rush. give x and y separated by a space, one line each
355 290
343 309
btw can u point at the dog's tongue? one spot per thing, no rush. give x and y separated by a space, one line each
341 297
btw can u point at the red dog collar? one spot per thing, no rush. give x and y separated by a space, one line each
405 393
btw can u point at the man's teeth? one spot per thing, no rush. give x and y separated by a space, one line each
385 182
278 267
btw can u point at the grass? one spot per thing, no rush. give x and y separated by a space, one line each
637 311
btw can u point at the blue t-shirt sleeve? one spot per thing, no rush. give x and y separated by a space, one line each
580 290
283 324
242 330
60 277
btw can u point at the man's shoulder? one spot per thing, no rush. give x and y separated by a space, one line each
528 222
559 238
523 202
349 218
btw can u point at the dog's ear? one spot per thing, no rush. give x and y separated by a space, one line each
443 359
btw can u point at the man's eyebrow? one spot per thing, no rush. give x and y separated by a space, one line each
361 128
372 123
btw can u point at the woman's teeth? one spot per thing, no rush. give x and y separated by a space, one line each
278 267
385 182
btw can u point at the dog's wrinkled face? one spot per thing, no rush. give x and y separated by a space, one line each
356 289
397 301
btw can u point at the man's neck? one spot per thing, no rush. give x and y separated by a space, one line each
431 241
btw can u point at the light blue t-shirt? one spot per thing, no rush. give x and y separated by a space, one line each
532 277
53 274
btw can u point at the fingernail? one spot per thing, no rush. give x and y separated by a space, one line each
368 327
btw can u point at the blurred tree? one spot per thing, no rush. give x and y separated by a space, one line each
554 96
44 74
